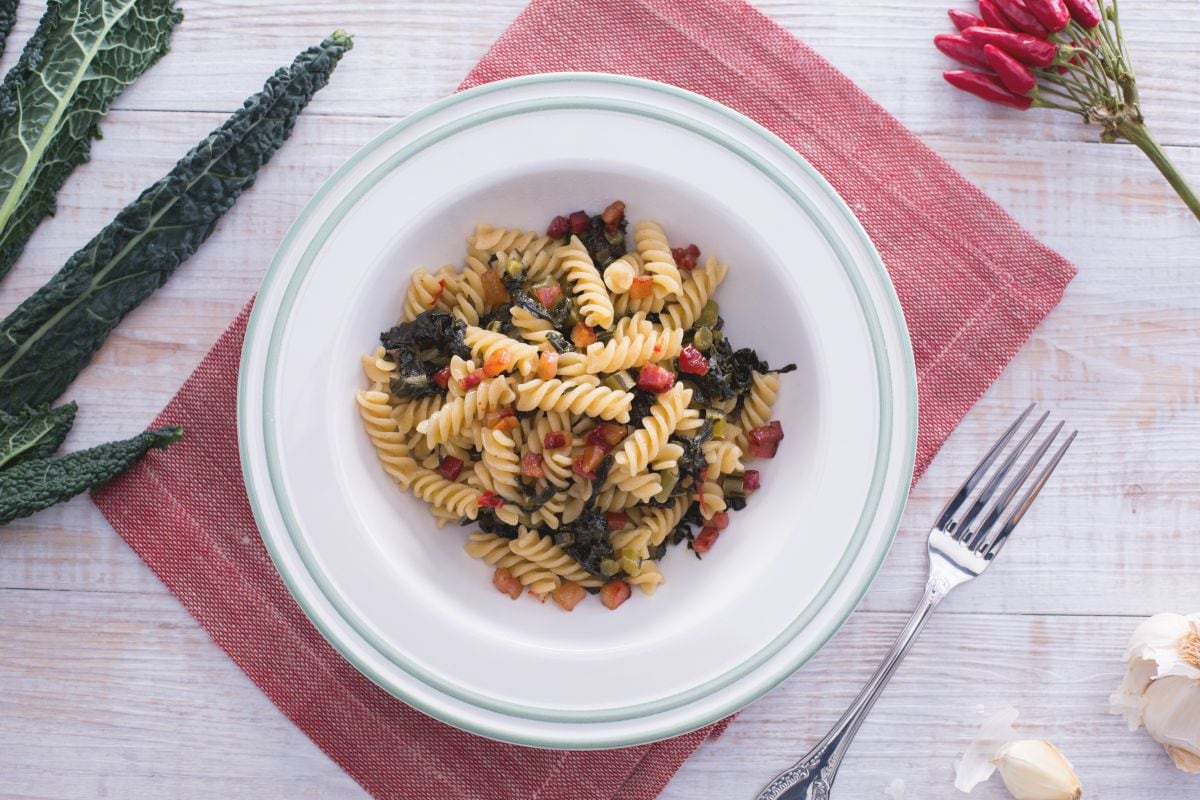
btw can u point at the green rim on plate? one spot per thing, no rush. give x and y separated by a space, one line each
866 520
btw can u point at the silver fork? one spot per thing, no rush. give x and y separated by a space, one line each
959 550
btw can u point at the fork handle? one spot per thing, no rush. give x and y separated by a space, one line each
811 778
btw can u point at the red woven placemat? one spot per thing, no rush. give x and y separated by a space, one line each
972 283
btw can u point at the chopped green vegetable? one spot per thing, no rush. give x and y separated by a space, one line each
34 433
50 337
708 316
620 381
81 57
702 339
33 485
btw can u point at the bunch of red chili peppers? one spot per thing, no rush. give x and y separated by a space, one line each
1063 54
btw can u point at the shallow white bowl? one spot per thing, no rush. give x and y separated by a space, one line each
397 596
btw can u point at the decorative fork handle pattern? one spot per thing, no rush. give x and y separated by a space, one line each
811 778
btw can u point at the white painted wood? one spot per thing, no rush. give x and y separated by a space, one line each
110 688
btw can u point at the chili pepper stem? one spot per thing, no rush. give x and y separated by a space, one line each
1137 133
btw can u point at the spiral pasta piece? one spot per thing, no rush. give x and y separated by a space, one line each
408 414
484 343
661 521
668 457
641 485
469 303
649 577
456 416
571 365
459 369
427 292
533 250
711 498
756 410
497 551
500 458
379 369
542 551
576 396
619 275
533 329
389 443
698 287
556 464
634 350
613 498
595 306
722 456
656 257
631 543
642 446
457 498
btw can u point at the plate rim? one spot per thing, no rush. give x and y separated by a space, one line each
261 316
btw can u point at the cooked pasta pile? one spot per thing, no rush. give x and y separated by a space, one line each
575 396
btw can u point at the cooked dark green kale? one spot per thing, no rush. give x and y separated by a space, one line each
643 401
489 523
602 246
405 343
730 372
498 319
588 540
559 342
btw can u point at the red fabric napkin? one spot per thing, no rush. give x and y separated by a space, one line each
973 285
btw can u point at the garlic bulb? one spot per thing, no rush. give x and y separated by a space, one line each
1161 689
1033 769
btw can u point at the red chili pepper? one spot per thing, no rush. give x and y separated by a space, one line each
994 17
1015 76
1022 17
1025 48
438 294
1053 14
963 19
1085 12
985 86
960 50
442 377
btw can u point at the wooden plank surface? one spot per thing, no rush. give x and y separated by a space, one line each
107 688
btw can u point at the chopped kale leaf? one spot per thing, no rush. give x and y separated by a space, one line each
489 523
643 401
602 246
590 545
431 330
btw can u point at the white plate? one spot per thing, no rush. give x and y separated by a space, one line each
398 597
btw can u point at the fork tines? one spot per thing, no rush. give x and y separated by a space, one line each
989 535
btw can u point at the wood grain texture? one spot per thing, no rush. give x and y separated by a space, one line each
109 688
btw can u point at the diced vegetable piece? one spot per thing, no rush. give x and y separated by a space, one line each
450 467
654 378
504 580
559 227
580 222
692 362
705 539
615 592
568 595
472 379
751 481
669 479
607 435
499 362
490 500
612 215
764 441
609 567
515 268
708 318
531 466
582 335
494 292
616 520
442 377
643 287
586 463
555 440
702 339
620 381
686 257
496 416
547 365
720 520
548 294
734 486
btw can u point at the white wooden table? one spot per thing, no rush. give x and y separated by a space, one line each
109 689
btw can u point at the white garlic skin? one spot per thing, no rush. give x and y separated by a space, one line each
1033 769
1161 689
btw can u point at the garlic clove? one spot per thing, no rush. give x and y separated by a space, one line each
1171 641
975 766
1033 769
1171 714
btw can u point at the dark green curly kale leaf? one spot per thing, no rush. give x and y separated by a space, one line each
34 433
81 57
8 18
33 485
50 337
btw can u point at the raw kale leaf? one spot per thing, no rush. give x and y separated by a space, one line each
431 330
81 57
8 18
590 546
603 247
34 433
33 485
50 337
